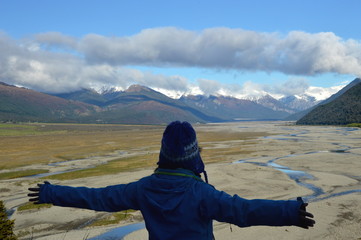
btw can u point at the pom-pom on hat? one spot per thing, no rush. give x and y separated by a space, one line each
180 148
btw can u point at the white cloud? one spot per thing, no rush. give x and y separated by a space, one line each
209 87
297 53
27 65
57 40
293 86
321 93
54 62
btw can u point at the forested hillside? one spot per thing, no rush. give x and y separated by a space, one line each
345 109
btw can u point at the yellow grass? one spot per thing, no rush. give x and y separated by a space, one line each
60 142
47 143
114 218
22 173
112 167
32 206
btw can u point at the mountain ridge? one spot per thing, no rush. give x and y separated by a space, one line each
341 108
297 116
142 105
22 104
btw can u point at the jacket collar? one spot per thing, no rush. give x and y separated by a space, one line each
181 172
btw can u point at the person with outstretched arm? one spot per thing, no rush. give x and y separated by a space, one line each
174 201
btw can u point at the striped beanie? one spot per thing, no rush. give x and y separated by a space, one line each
180 148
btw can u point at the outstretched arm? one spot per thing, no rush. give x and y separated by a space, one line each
110 199
243 212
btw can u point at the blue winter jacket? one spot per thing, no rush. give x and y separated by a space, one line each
175 204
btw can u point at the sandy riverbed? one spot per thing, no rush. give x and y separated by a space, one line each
332 155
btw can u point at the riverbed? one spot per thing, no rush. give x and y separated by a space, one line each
322 164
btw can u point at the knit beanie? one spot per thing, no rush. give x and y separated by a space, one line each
180 148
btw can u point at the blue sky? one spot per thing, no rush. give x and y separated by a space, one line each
226 47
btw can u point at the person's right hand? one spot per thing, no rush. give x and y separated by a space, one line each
35 192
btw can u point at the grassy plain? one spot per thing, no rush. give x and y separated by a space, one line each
32 206
22 173
28 144
354 125
114 218
47 143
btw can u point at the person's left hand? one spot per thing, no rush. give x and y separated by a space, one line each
305 220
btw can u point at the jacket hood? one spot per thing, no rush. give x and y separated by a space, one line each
167 188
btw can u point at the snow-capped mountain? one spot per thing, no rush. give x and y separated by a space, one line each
233 108
270 102
299 103
144 105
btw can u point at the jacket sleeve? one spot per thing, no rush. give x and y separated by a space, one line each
110 199
222 207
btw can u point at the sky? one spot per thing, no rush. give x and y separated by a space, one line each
230 47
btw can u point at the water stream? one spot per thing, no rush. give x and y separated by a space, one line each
120 232
67 165
300 177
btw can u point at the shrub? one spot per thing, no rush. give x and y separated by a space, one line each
6 225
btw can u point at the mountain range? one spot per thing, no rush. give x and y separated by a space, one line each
141 105
202 108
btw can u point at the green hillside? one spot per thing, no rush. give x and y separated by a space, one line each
345 109
21 104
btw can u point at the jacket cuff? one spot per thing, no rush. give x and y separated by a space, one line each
43 193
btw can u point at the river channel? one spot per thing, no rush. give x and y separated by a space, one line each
330 146
302 178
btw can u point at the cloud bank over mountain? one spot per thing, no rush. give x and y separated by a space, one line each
296 53
55 62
